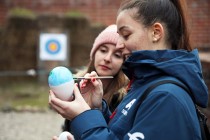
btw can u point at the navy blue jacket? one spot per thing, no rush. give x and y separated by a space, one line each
167 113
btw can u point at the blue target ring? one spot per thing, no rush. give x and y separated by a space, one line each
53 46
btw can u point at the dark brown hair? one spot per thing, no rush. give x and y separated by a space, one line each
168 12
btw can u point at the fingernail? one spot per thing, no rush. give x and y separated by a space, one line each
93 80
83 85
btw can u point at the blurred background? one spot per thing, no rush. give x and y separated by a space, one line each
36 36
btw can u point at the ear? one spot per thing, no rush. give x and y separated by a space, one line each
157 32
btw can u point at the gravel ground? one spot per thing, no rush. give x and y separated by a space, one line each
29 125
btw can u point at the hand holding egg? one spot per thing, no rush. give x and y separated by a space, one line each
63 136
61 82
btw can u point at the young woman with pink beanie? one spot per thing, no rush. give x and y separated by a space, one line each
106 60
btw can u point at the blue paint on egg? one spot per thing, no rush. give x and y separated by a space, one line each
59 75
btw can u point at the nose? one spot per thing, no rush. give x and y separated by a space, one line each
107 58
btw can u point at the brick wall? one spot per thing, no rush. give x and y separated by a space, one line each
200 22
104 11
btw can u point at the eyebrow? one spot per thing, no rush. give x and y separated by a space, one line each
121 28
103 46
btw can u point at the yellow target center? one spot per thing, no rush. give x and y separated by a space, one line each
53 47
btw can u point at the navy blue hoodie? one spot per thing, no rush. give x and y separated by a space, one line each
168 113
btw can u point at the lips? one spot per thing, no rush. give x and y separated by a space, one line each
103 67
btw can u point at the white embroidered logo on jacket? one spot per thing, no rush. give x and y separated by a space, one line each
136 136
127 107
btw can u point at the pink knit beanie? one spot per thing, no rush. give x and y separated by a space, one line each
108 35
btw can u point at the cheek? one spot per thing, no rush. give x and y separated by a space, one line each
96 67
132 45
117 65
138 43
134 42
96 60
98 57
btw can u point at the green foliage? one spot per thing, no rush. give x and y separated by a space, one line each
22 12
98 24
74 14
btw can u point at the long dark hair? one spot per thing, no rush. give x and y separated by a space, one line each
169 12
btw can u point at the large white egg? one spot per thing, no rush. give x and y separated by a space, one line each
63 135
61 82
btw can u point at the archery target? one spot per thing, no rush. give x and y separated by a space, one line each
53 46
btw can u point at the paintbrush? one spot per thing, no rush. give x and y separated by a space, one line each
100 77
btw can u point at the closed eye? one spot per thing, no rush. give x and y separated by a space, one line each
103 49
119 55
125 37
124 32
